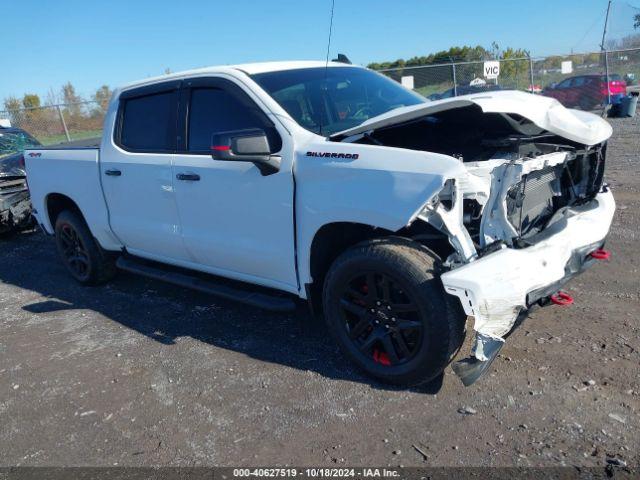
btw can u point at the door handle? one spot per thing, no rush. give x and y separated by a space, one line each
190 177
113 173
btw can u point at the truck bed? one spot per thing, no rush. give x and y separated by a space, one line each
69 172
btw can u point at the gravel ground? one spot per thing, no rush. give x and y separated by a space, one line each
142 373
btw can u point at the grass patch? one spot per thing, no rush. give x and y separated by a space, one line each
75 135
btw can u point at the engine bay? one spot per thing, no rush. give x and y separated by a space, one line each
520 179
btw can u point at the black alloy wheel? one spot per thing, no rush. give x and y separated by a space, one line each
385 305
380 318
87 262
74 252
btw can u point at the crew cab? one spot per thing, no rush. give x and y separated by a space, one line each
395 217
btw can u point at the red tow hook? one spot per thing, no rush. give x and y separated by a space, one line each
561 298
600 254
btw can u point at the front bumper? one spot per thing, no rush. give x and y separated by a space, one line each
496 288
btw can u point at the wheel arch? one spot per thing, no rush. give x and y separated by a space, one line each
96 219
329 241
56 203
332 239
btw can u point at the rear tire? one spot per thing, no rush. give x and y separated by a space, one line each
87 262
385 305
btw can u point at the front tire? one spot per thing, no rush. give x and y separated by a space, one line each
87 262
386 307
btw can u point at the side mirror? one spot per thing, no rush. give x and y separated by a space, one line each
251 145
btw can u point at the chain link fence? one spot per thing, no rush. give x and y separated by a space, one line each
589 81
53 124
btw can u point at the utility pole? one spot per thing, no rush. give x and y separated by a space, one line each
453 74
606 23
606 57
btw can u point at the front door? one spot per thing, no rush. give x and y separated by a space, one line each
235 221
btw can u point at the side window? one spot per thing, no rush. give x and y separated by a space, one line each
215 110
565 83
148 122
578 82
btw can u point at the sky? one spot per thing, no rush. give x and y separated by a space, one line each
46 43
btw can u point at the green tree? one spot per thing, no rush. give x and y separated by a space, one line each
636 21
32 118
30 100
514 67
72 99
464 53
102 96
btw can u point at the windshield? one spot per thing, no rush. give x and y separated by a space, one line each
15 141
328 100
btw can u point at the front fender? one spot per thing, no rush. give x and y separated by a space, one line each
383 187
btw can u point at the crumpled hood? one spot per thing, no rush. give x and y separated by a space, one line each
545 112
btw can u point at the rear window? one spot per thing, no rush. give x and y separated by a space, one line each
614 77
148 123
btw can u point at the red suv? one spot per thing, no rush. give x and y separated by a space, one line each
588 91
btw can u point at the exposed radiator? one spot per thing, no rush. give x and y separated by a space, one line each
532 202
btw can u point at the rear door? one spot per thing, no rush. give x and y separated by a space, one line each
136 173
577 91
235 221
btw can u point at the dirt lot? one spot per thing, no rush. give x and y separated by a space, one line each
141 373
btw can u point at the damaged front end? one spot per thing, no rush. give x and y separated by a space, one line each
15 204
527 216
15 201
545 214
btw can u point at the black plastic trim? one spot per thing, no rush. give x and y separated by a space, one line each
249 297
578 263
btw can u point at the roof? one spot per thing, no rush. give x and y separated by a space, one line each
248 68
264 67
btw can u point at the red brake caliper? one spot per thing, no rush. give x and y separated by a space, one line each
381 357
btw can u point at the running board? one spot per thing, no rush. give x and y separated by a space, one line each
256 299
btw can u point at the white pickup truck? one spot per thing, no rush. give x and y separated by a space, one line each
394 216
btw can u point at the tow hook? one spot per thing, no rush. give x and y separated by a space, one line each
600 254
561 298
